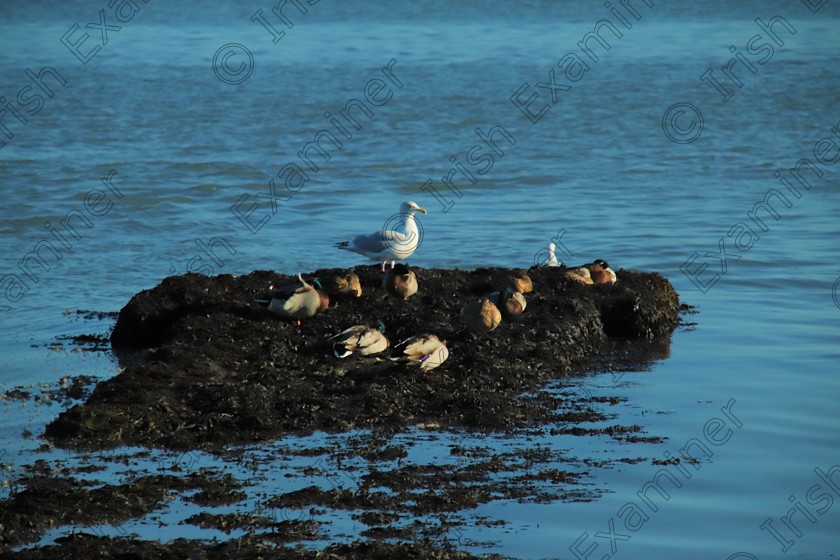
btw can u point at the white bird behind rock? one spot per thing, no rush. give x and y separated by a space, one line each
552 256
389 244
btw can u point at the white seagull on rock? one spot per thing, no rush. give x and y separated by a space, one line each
552 256
389 244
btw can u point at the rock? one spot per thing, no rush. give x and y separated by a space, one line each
216 368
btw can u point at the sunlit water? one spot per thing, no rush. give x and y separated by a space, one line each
186 147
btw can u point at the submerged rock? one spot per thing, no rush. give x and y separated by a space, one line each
206 365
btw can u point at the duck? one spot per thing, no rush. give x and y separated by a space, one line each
324 300
517 279
397 240
522 282
400 281
510 302
580 274
424 350
481 317
346 286
359 339
297 301
601 272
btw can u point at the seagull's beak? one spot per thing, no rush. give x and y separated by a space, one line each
423 210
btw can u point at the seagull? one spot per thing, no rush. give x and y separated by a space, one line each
389 244
552 256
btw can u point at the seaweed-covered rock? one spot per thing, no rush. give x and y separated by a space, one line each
218 368
250 546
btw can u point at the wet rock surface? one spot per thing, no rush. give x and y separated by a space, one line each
49 501
210 366
88 546
207 368
376 483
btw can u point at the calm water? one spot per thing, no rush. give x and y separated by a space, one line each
186 147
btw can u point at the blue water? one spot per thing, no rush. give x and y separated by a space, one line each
187 146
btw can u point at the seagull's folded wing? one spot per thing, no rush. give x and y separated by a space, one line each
378 242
